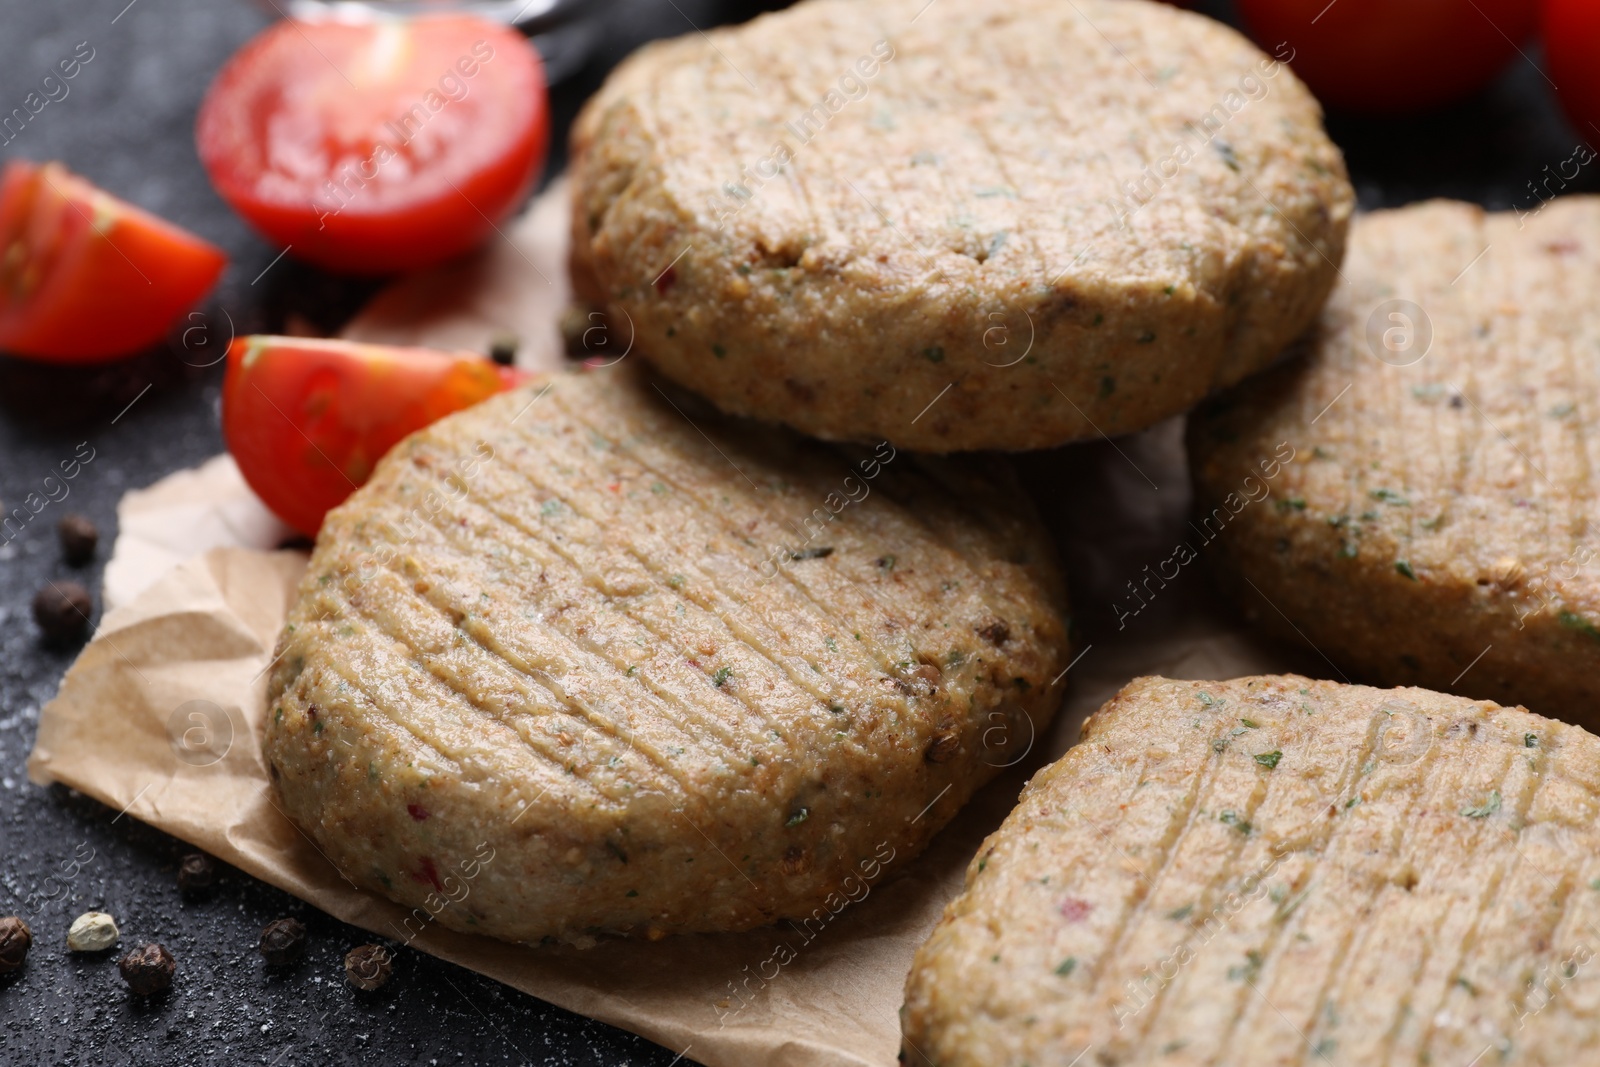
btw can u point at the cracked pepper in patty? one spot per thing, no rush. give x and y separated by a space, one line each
589 659
954 225
1437 526
1276 871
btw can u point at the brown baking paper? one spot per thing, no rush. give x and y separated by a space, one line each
161 714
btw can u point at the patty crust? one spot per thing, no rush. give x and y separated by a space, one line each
1279 871
957 226
589 658
1437 524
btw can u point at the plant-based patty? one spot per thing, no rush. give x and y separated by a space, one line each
1275 871
1437 524
958 226
590 658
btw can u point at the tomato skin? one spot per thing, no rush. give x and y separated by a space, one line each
85 277
308 419
1391 56
369 148
1571 46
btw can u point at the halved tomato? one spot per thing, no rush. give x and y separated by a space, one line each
308 419
381 146
85 277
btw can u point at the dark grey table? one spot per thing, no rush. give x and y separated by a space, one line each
127 125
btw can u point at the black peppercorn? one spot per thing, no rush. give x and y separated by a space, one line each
283 941
503 349
196 874
62 610
148 970
15 939
78 539
368 967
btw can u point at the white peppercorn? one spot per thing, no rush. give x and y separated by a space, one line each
93 931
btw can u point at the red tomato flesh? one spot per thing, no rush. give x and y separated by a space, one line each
308 419
1571 46
1391 56
85 277
380 146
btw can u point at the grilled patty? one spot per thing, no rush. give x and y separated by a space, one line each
1277 871
1436 526
589 658
958 226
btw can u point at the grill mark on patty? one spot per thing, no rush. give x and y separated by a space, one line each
1472 952
1456 949
1150 879
923 488
416 727
681 563
1421 788
828 602
1330 844
393 728
733 644
1496 876
404 627
687 698
1491 903
569 700
1170 844
586 653
898 525
680 713
556 703
1209 784
1570 892
523 470
659 463
1564 883
1450 773
706 509
1427 791
1455 952
572 559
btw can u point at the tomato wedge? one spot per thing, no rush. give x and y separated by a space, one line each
85 277
308 419
373 147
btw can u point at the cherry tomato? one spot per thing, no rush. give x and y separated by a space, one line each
1571 47
1391 55
379 146
85 277
308 419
